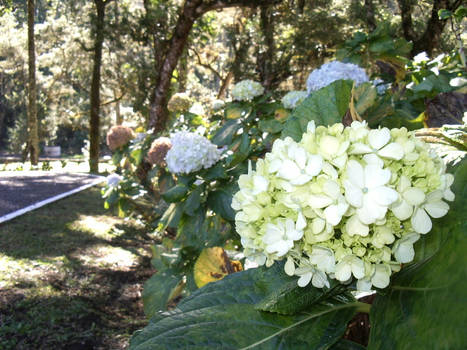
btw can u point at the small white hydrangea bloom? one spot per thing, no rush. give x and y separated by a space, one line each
190 152
293 98
247 90
332 71
113 180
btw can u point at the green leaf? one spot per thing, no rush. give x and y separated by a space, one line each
444 14
193 201
225 134
191 230
242 152
158 290
220 202
214 173
289 298
221 315
325 106
460 13
425 308
272 126
175 194
172 215
345 344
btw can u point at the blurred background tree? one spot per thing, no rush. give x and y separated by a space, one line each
145 59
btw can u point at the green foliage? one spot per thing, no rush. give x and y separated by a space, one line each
223 315
381 45
325 106
424 307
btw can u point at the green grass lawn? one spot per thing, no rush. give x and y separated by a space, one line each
71 275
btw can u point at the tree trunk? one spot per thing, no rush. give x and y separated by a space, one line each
266 59
118 114
94 122
430 38
406 9
370 15
33 138
191 11
158 110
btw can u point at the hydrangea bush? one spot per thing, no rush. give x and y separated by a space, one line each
332 71
247 90
293 98
343 203
325 209
191 152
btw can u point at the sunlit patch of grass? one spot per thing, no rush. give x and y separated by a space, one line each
101 226
108 257
61 268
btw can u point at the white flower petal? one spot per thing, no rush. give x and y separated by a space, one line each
392 151
375 176
402 210
319 280
421 222
332 215
317 225
436 209
373 159
343 271
358 268
318 201
360 148
260 184
355 173
301 222
289 267
380 278
289 170
378 138
315 164
353 194
304 279
364 285
384 196
414 196
332 189
355 227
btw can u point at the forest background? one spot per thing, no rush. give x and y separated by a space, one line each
102 63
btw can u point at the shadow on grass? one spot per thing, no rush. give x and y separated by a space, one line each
82 303
57 229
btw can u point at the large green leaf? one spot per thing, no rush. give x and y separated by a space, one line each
220 202
175 194
325 106
221 315
426 308
158 291
225 134
289 298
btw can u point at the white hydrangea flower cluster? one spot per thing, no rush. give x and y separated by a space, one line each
342 203
293 98
246 90
332 71
191 152
113 180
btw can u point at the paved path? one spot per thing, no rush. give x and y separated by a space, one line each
19 190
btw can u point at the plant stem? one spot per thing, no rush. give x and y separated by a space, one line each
363 307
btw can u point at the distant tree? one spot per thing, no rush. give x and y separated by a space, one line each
190 12
430 37
94 120
33 138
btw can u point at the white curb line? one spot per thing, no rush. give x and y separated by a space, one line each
50 200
